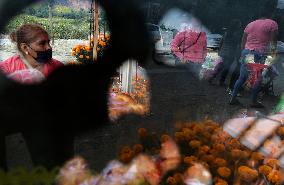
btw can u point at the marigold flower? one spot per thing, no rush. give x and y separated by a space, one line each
257 156
247 174
224 172
81 56
165 137
272 163
264 169
208 158
73 53
179 178
204 148
179 137
78 50
87 57
220 147
142 132
194 144
219 162
171 181
275 177
234 144
190 159
280 131
236 154
137 148
219 181
88 48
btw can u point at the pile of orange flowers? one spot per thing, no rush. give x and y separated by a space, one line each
205 143
140 90
83 53
103 44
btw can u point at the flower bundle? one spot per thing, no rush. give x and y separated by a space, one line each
207 144
83 53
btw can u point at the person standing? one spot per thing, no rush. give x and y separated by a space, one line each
258 37
190 46
229 51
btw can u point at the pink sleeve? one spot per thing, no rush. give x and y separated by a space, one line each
175 44
273 26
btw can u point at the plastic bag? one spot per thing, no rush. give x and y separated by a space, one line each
27 76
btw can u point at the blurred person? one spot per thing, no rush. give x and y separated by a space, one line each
34 61
258 37
190 45
229 51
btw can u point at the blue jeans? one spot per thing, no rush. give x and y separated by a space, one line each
244 74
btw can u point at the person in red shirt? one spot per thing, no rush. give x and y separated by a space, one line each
190 46
34 61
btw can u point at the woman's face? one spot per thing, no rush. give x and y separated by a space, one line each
42 43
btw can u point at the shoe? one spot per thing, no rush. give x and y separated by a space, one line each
256 105
234 101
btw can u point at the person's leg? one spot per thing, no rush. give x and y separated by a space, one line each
234 77
242 79
226 67
255 91
217 70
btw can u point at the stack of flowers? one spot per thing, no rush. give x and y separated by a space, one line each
103 44
206 144
83 53
142 170
137 102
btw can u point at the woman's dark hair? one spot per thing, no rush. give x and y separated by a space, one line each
26 33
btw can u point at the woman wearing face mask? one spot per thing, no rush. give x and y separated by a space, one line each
34 61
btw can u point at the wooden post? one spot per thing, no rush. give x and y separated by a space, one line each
96 29
50 22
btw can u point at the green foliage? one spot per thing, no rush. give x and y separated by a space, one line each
70 13
21 176
62 28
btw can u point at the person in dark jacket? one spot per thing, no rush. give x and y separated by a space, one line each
229 51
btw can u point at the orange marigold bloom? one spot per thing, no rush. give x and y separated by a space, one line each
88 48
234 144
264 169
280 131
272 163
78 50
257 156
137 148
171 181
247 174
204 148
219 181
219 162
208 158
165 137
179 137
236 153
220 147
73 53
142 132
190 159
275 177
179 178
87 57
224 172
81 56
194 144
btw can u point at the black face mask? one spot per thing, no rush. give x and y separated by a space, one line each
43 56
